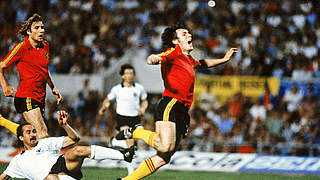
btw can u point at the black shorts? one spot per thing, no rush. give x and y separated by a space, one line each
170 109
126 120
27 104
60 166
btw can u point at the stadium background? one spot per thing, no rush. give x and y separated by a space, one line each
279 49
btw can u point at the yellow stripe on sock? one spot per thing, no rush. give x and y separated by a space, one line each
166 112
29 105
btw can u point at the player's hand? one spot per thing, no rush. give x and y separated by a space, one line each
230 53
101 111
58 95
62 118
154 59
8 91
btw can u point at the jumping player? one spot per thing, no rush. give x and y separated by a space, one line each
172 118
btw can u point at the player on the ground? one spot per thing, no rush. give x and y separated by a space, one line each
131 99
31 57
41 159
172 118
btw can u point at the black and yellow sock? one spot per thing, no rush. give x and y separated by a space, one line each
146 168
145 135
11 126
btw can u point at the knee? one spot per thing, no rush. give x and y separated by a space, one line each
166 157
164 148
52 177
79 151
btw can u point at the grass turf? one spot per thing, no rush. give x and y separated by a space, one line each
96 173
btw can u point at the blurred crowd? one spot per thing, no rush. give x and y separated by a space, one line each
283 124
88 36
280 39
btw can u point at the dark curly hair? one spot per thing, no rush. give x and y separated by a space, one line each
170 34
27 24
20 132
124 67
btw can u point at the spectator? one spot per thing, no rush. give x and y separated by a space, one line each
258 110
293 99
225 124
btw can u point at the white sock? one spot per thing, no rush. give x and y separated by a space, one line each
101 153
119 143
123 144
130 168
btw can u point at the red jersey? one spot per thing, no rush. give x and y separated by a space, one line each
32 64
178 75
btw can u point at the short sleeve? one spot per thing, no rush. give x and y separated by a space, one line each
143 93
164 55
53 143
13 169
14 55
112 95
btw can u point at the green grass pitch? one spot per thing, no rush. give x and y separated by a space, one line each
95 173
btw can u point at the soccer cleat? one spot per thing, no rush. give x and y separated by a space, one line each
128 153
127 133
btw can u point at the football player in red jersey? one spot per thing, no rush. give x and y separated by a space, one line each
172 118
31 57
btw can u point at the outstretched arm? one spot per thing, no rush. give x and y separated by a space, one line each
55 92
226 58
6 89
154 59
73 137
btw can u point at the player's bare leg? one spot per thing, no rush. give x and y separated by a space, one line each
164 141
52 177
163 158
35 118
75 156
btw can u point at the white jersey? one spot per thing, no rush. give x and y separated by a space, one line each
128 98
36 164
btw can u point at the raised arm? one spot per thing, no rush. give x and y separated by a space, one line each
226 58
73 137
6 89
55 92
3 176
